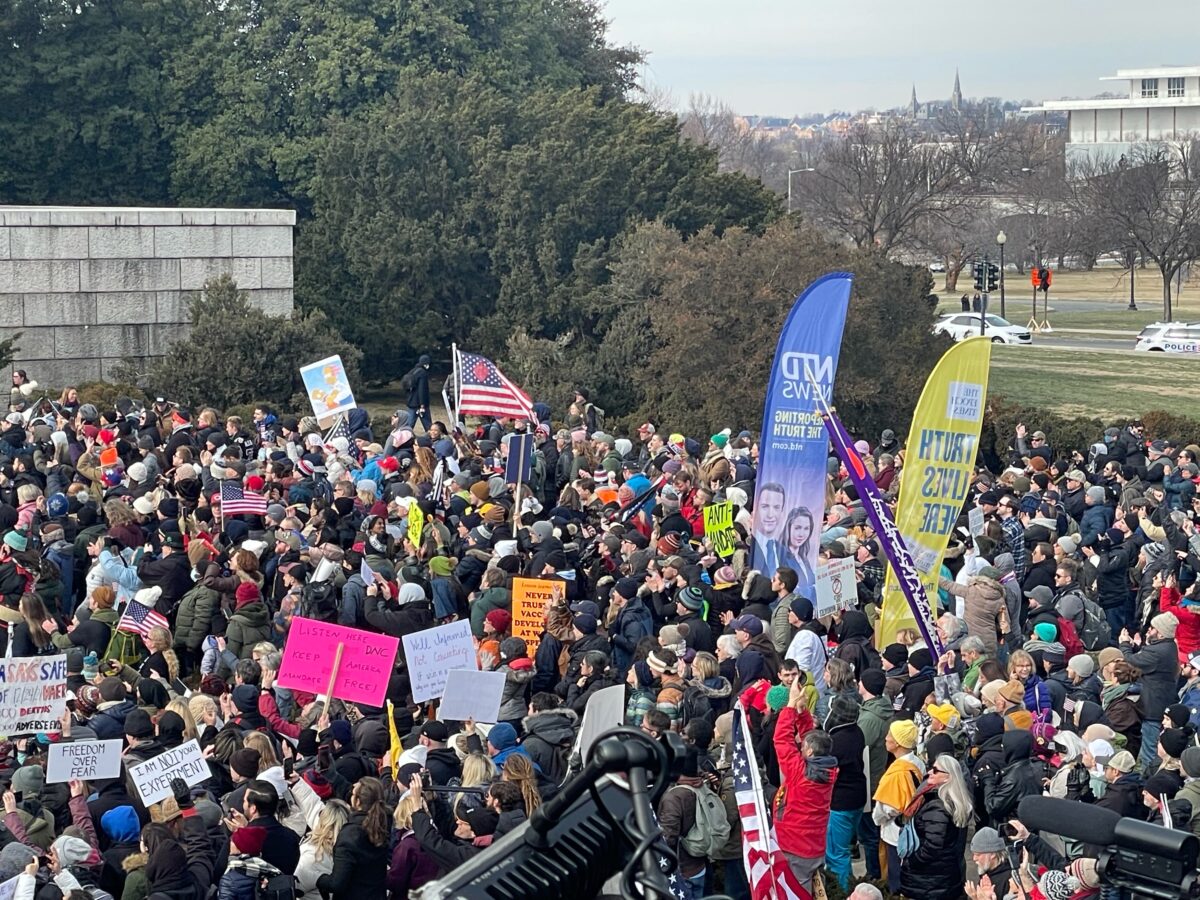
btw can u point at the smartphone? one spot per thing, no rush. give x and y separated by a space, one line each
426 781
289 767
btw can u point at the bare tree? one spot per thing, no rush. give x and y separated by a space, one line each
1151 197
876 185
739 148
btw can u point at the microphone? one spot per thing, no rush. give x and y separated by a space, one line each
1070 819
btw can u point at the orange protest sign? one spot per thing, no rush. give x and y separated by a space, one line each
529 599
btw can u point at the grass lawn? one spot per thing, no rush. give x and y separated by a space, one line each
1098 284
1095 383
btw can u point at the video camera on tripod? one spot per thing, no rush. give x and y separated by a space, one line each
1146 860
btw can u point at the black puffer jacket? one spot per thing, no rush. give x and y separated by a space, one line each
935 870
359 867
1021 777
548 738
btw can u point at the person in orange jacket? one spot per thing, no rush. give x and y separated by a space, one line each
809 770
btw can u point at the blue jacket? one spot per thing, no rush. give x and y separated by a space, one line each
632 623
354 602
1096 520
110 723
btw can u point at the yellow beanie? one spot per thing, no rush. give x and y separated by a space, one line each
904 733
944 713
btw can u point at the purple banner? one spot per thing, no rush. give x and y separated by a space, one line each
881 520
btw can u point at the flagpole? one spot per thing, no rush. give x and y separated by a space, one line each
455 389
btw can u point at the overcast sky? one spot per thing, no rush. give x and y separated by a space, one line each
783 57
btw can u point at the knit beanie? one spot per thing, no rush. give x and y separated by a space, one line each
1081 665
777 697
904 733
1165 624
245 762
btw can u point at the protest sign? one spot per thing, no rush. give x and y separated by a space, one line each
83 761
529 598
152 778
472 695
327 387
310 654
519 459
605 709
416 524
718 528
975 521
434 653
33 694
836 586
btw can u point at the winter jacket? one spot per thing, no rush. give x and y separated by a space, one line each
1187 635
676 816
1112 579
803 815
91 635
1124 797
193 621
514 702
247 626
549 736
484 603
359 867
410 867
173 573
984 598
1095 521
935 870
874 719
1159 662
1018 779
448 853
109 721
398 621
578 697
850 789
632 623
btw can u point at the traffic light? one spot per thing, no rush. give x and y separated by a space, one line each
1044 279
977 271
993 275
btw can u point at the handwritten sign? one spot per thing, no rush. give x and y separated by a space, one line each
366 667
433 654
836 586
152 778
472 695
718 528
416 524
529 599
83 761
33 694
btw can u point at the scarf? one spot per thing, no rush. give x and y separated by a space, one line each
1112 693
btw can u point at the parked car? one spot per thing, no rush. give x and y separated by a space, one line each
937 266
1170 337
961 326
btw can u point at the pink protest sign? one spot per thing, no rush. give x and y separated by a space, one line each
367 660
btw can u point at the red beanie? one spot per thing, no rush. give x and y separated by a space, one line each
500 619
389 464
669 545
247 592
250 839
255 482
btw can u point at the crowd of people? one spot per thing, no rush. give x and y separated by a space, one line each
1070 622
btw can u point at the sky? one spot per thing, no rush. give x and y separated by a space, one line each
787 57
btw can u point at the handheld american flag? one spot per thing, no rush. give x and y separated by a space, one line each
139 619
484 391
238 502
767 869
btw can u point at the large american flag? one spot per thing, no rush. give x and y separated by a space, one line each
238 502
139 619
767 869
484 391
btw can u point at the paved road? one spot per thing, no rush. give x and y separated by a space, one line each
1078 341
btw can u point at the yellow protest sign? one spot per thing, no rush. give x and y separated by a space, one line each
416 524
718 528
529 599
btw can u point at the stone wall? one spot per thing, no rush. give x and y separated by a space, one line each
87 287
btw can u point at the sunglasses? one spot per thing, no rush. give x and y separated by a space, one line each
936 771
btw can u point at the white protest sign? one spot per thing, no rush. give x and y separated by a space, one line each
975 523
33 694
153 777
83 761
432 654
9 889
836 588
605 710
472 695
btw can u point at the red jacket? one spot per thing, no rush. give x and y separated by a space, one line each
803 814
1187 635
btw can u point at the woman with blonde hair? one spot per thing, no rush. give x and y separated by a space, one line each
411 866
316 850
478 772
162 657
256 740
518 769
204 716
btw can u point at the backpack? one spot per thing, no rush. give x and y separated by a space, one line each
280 886
710 832
318 600
695 705
1095 633
1069 637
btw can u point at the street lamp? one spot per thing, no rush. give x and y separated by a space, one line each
1001 239
792 172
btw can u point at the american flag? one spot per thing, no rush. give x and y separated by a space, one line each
238 502
341 428
139 619
484 391
767 869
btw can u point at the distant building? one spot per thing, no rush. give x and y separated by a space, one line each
1162 106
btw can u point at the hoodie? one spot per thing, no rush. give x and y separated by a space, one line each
549 736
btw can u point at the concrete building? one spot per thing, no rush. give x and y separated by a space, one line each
1159 105
87 287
